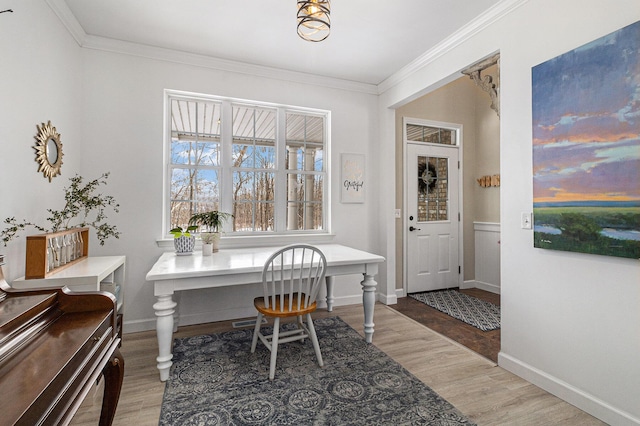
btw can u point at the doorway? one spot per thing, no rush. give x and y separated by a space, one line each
432 215
462 102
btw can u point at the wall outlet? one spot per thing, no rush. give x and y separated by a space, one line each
526 220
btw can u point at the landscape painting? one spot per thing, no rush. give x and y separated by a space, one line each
586 147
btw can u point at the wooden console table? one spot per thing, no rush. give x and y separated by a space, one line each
94 273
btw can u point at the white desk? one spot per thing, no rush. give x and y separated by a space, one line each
230 267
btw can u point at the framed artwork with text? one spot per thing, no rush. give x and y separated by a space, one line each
352 178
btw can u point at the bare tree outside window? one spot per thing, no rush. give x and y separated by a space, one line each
305 166
254 165
199 170
195 159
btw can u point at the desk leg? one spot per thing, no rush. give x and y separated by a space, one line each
164 329
330 299
368 302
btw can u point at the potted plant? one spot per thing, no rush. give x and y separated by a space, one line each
212 222
183 240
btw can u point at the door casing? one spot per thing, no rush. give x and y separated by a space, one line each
405 215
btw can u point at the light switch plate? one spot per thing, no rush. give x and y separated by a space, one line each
398 213
526 220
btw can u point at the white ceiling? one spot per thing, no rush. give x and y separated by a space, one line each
370 39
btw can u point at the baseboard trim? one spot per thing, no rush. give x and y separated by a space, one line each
491 288
388 299
574 396
138 326
468 284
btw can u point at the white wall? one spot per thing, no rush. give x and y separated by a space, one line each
40 80
569 321
123 131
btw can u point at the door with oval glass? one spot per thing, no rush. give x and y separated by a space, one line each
432 217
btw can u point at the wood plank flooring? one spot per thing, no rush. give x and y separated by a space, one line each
479 388
486 343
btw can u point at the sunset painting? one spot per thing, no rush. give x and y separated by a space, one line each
586 147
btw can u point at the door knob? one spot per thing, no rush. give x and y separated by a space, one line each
411 228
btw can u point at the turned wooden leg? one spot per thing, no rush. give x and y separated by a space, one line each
368 302
164 308
329 283
113 375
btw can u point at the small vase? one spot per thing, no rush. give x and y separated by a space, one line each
211 238
184 245
207 249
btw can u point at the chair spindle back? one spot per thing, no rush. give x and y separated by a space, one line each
292 277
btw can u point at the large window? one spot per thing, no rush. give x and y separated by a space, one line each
265 164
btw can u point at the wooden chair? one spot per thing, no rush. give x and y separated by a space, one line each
291 279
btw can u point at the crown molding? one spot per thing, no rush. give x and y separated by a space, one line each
88 41
478 24
67 18
84 40
186 58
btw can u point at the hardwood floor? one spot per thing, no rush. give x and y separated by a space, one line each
484 392
486 343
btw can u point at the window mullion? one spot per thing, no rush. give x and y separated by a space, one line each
281 173
166 211
226 178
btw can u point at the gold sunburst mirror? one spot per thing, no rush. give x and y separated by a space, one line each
48 150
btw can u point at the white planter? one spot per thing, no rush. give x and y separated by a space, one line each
184 245
207 249
210 238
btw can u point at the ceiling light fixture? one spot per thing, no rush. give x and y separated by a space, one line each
314 22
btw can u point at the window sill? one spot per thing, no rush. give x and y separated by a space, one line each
259 241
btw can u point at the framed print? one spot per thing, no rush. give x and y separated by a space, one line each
352 178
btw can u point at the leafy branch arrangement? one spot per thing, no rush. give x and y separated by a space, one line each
80 200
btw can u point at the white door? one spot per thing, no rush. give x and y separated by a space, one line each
432 217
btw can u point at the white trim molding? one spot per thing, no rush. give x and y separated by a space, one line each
563 390
478 24
67 18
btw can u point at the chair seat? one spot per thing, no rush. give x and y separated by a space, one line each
260 305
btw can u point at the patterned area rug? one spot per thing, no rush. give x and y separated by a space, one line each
216 380
473 311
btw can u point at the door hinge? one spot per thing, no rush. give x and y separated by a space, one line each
459 269
458 165
458 216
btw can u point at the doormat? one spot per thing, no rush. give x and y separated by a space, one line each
471 310
216 380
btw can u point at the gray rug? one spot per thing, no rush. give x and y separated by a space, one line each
216 380
471 310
